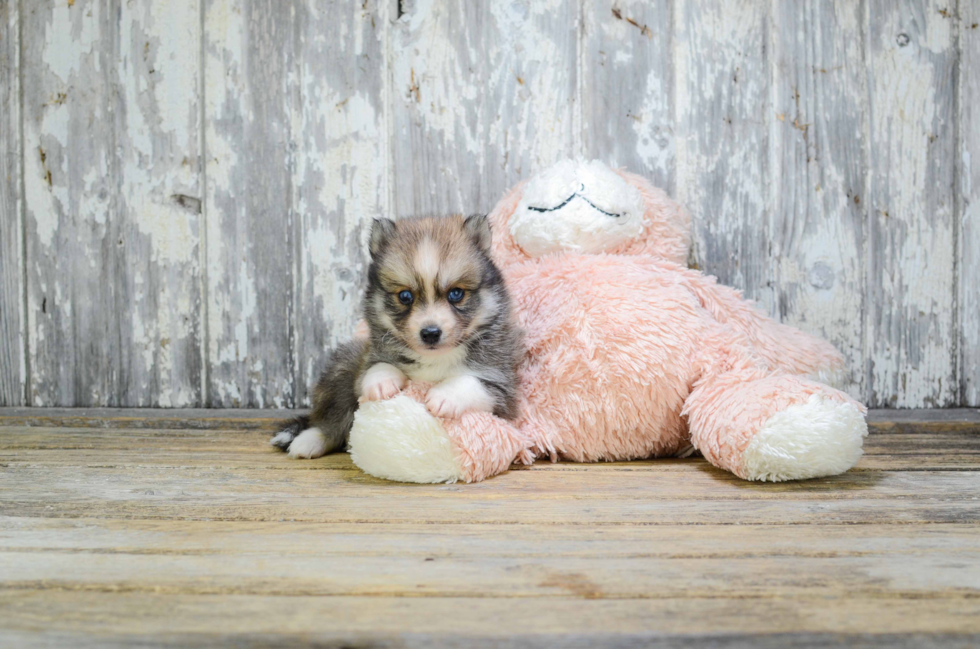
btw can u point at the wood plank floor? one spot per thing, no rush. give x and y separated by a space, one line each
167 528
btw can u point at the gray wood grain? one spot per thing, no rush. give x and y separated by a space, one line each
339 174
111 156
197 179
296 167
968 203
157 139
68 146
68 280
628 86
482 95
910 336
820 105
12 361
251 229
721 63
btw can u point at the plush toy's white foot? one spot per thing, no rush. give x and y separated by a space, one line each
818 438
309 444
399 440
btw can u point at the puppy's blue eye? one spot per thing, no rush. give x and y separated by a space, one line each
406 297
455 295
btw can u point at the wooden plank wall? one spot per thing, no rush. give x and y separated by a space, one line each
185 187
967 202
13 368
112 169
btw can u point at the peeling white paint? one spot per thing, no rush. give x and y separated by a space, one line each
13 319
627 87
817 237
175 41
768 120
910 327
340 174
722 93
114 256
968 187
653 133
491 105
83 35
172 231
45 202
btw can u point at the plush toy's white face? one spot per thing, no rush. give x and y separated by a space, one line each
576 206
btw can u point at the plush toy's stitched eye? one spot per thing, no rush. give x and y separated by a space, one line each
455 295
406 297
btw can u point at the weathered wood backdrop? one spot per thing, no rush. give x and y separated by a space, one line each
185 184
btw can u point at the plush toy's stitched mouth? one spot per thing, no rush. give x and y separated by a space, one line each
569 200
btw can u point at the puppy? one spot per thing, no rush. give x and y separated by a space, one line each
437 311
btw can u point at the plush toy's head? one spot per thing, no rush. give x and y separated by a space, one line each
586 207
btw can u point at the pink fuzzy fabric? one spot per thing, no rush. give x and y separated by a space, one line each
632 355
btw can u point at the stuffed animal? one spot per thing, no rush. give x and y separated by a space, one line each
629 354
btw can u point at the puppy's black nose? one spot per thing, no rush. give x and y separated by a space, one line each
430 335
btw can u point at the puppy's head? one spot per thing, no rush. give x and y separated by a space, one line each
432 284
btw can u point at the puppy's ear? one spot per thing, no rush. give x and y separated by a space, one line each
477 227
381 231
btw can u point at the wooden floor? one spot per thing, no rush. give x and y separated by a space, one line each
175 528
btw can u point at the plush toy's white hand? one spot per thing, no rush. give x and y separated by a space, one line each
399 439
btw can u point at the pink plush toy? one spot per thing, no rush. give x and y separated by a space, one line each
629 354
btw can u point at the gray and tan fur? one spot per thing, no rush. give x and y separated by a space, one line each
437 311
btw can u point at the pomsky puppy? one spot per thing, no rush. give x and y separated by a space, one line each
437 311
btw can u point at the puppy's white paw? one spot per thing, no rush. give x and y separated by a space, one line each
309 444
282 439
443 405
381 390
381 381
453 397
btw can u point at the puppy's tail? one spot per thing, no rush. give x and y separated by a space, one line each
325 429
289 430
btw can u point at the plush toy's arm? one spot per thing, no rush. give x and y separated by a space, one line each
781 347
399 439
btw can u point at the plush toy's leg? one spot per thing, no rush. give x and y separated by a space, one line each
400 440
774 427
